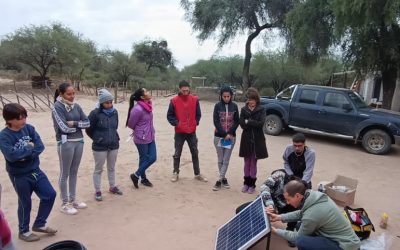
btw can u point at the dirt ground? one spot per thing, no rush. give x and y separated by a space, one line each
186 215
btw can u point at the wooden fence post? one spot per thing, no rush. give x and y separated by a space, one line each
116 93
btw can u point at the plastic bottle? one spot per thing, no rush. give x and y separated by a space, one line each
321 188
384 220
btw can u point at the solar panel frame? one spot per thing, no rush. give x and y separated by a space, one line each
250 230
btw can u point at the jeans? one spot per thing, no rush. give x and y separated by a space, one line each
250 166
224 155
24 187
100 158
147 156
70 154
316 243
192 142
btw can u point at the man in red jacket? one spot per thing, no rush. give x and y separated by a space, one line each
184 114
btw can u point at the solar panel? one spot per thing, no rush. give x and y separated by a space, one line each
245 229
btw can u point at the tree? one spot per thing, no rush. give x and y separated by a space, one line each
155 54
227 19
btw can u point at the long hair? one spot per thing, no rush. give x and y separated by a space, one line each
61 90
136 96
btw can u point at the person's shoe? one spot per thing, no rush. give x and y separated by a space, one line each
291 244
146 182
217 186
245 188
79 205
115 190
199 177
68 209
28 238
97 196
135 180
225 183
251 190
45 230
175 177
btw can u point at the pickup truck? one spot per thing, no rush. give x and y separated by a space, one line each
333 112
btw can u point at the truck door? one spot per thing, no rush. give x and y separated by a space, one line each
304 109
337 114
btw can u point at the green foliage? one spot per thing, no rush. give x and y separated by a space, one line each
155 54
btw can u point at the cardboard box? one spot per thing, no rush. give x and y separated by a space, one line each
342 198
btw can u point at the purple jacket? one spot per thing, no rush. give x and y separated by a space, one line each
141 122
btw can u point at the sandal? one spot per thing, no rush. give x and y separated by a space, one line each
46 230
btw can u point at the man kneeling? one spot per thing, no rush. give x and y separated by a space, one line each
322 224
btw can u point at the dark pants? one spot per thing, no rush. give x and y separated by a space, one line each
147 156
192 142
24 187
316 243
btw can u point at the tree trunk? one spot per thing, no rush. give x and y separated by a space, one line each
247 60
396 94
389 77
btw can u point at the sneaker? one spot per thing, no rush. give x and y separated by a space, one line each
245 188
28 238
291 244
79 205
146 182
199 177
115 190
97 196
225 183
135 180
217 186
175 177
251 190
68 209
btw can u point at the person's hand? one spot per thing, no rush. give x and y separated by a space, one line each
31 144
273 217
270 209
227 137
70 123
273 229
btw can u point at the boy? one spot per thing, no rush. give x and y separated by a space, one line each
21 146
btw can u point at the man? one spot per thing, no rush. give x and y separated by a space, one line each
299 159
322 226
184 114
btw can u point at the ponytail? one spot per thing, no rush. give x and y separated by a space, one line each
136 96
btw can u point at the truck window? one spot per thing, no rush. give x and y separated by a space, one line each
308 96
336 100
286 94
357 100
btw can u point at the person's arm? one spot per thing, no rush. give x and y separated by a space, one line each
259 123
38 146
285 157
308 227
243 119
171 117
198 112
93 123
12 153
134 118
83 121
310 161
60 121
217 121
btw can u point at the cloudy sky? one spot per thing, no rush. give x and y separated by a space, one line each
118 24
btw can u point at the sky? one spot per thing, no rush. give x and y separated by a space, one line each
118 24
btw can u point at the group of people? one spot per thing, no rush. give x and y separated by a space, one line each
21 146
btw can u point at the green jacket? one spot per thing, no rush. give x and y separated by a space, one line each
320 216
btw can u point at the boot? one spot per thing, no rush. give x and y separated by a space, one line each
246 184
252 185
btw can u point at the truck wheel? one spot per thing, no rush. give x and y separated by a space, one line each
273 125
376 141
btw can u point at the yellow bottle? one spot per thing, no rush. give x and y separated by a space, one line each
384 220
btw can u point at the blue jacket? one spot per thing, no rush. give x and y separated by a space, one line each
103 130
21 157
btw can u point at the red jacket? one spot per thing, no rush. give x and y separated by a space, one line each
5 233
185 109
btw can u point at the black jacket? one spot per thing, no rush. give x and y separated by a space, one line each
103 130
253 139
225 122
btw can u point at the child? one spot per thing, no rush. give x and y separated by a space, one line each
252 143
69 120
103 131
21 146
140 120
226 121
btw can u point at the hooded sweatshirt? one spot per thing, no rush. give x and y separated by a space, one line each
226 118
319 215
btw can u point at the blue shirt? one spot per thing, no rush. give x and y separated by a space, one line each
21 157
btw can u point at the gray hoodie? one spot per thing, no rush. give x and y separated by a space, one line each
320 216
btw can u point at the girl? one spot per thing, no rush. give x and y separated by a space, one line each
252 143
103 131
69 120
140 120
226 121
